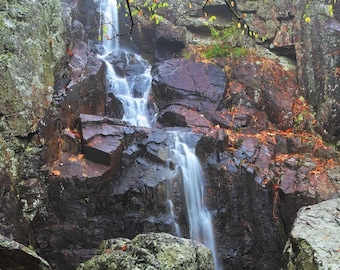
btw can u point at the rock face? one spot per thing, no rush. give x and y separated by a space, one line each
316 43
84 176
151 251
308 31
31 48
305 31
314 239
202 88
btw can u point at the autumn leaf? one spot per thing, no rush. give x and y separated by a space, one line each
56 173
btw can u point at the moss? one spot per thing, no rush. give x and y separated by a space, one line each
151 251
30 51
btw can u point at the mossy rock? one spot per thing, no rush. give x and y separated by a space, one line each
153 251
31 31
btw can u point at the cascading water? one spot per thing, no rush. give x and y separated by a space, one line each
130 88
109 30
200 223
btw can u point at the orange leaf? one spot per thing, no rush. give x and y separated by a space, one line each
56 172
69 52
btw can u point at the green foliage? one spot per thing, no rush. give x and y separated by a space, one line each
149 9
224 40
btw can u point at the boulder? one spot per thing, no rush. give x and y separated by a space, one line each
186 92
314 241
102 140
86 91
151 251
187 79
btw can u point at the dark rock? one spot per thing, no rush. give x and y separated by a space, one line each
17 256
175 115
72 142
316 43
263 84
180 78
169 40
328 123
102 141
86 92
114 107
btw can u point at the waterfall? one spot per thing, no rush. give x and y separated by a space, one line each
199 218
130 88
109 25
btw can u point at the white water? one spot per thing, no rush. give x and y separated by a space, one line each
109 23
200 222
124 86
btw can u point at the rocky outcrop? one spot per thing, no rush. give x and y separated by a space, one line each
306 32
17 256
317 39
100 178
151 251
256 84
32 46
314 239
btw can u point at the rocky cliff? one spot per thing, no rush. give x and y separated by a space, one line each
32 44
74 174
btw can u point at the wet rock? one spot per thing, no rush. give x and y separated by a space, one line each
188 79
240 248
86 91
102 140
263 84
71 141
175 115
114 107
187 93
17 256
70 166
319 61
314 239
151 251
89 202
169 40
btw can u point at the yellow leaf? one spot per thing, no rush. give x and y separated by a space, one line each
307 19
331 10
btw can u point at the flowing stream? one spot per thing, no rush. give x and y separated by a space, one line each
199 218
128 75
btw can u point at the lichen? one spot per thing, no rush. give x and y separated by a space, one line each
32 47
